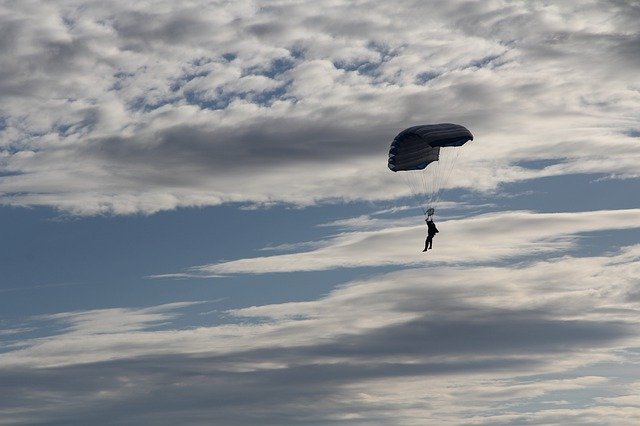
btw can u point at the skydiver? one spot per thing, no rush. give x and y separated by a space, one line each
431 232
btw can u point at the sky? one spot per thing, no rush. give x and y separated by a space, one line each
198 225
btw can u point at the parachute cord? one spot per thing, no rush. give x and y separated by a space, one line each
430 182
446 172
427 185
413 179
425 189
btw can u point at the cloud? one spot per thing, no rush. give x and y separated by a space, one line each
485 238
481 344
117 108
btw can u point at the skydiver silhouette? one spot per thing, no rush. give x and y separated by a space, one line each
431 232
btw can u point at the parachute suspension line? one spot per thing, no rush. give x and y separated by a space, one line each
449 160
443 164
410 184
427 185
424 194
425 191
435 176
430 183
454 156
426 156
412 179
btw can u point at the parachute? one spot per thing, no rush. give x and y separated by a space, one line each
426 155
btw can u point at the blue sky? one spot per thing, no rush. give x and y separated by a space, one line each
199 226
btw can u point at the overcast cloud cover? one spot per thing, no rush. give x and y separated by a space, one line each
526 312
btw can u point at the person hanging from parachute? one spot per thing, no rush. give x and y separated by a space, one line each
431 232
426 154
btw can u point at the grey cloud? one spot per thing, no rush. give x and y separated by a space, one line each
496 334
629 48
266 29
194 390
448 340
347 25
10 32
139 29
308 386
251 146
481 343
628 13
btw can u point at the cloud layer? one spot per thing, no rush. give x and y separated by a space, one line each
481 345
119 107
115 107
486 238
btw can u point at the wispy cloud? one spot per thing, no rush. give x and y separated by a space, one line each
36 287
486 344
485 238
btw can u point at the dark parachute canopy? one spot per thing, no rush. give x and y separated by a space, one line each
433 145
414 148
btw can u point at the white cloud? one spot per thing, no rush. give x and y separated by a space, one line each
115 107
478 344
485 238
